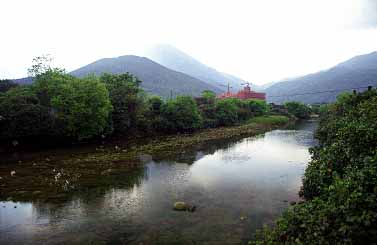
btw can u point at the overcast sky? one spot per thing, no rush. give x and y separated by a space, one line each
257 40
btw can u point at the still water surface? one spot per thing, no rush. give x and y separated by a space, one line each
237 187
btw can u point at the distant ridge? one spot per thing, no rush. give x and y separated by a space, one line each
359 71
175 59
156 78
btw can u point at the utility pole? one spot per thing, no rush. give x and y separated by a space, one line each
228 86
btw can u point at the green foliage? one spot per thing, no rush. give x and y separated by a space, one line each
209 95
298 109
40 65
126 100
231 111
340 183
257 107
151 119
347 134
21 115
315 108
273 119
182 114
57 104
48 84
83 106
226 112
63 106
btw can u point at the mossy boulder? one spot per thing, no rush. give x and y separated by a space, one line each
182 206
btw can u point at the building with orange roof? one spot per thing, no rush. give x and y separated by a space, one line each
244 94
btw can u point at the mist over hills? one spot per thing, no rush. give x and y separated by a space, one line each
183 76
175 59
359 71
156 79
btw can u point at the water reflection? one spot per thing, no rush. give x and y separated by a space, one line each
237 185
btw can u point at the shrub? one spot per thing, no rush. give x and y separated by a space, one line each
298 109
182 114
226 112
257 107
125 96
21 115
340 183
83 105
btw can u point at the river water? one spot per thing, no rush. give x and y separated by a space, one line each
237 187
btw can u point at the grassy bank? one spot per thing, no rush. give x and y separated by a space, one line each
57 175
278 119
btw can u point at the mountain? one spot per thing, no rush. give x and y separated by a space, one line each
175 59
265 86
324 86
156 78
25 80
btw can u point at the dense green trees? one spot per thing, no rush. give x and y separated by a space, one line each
82 106
340 183
57 104
22 115
60 105
226 112
298 109
182 114
126 99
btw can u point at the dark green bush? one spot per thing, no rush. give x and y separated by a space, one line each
126 99
21 115
298 109
83 106
257 107
340 183
226 112
182 114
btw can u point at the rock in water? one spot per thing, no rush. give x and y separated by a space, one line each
182 206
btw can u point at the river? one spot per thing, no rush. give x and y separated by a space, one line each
237 186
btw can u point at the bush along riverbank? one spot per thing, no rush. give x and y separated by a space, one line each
60 109
54 176
340 182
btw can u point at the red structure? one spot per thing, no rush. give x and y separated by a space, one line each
244 94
